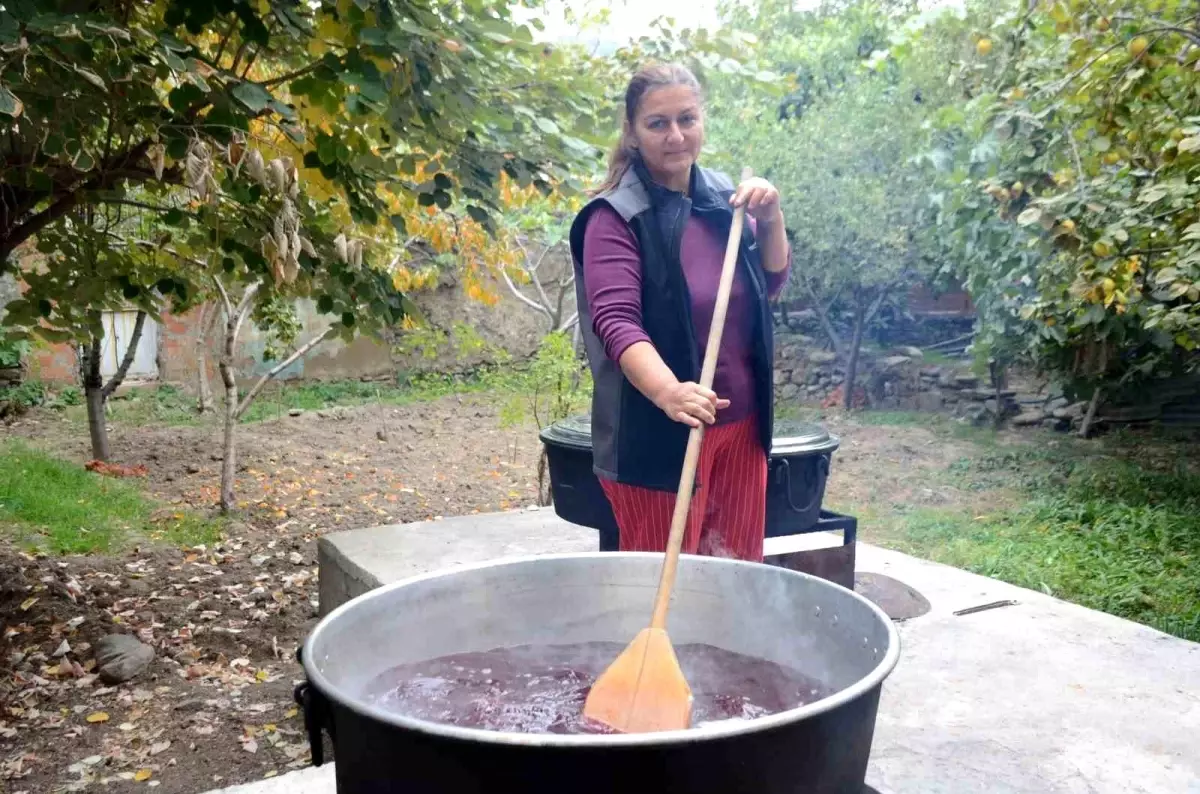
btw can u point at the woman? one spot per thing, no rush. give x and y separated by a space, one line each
648 251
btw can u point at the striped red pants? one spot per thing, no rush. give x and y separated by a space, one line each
727 517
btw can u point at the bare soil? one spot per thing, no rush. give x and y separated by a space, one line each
215 708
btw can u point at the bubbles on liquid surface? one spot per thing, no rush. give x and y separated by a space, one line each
542 689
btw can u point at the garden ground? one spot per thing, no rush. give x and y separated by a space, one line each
1109 524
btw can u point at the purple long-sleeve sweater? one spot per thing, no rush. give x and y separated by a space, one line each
612 274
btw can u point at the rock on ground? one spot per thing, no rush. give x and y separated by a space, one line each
121 658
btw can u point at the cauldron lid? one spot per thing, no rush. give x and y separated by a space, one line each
792 438
574 432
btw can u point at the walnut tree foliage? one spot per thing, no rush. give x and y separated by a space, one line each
1070 196
274 143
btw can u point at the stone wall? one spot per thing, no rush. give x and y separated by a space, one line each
896 378
888 378
902 378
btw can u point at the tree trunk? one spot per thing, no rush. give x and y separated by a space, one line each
208 319
996 371
835 340
228 460
860 322
545 494
93 391
96 391
1085 429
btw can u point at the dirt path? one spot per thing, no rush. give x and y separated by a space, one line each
215 706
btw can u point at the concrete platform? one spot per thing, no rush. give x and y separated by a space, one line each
1038 697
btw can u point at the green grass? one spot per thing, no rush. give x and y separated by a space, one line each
61 508
1115 533
169 405
934 358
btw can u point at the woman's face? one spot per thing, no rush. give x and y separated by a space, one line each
669 132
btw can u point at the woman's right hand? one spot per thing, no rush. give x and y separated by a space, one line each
690 403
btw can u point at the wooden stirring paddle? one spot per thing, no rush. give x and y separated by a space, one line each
644 690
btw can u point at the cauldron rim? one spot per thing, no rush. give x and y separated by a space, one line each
843 696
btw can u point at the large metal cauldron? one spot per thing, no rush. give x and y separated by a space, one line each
821 629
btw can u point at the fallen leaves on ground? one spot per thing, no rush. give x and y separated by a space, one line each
224 619
116 469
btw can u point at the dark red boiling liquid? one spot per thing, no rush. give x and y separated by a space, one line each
542 688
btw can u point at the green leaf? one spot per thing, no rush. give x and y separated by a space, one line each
1030 216
325 304
53 145
91 77
373 36
177 148
1190 144
546 125
1152 194
182 97
327 150
9 104
252 95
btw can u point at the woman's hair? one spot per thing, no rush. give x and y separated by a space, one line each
647 79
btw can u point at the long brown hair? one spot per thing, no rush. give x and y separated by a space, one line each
648 78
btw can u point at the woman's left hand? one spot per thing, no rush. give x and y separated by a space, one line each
760 198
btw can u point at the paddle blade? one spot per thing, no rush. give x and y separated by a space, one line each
643 690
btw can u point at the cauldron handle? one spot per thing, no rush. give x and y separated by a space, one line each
316 712
822 465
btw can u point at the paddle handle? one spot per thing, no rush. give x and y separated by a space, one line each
691 458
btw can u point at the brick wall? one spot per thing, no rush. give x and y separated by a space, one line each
178 363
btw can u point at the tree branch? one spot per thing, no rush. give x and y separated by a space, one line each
141 205
280 367
38 222
224 41
274 81
243 308
130 353
569 322
109 172
521 297
823 316
225 302
878 303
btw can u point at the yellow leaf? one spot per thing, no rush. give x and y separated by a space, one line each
27 603
97 716
262 675
142 775
292 713
329 29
